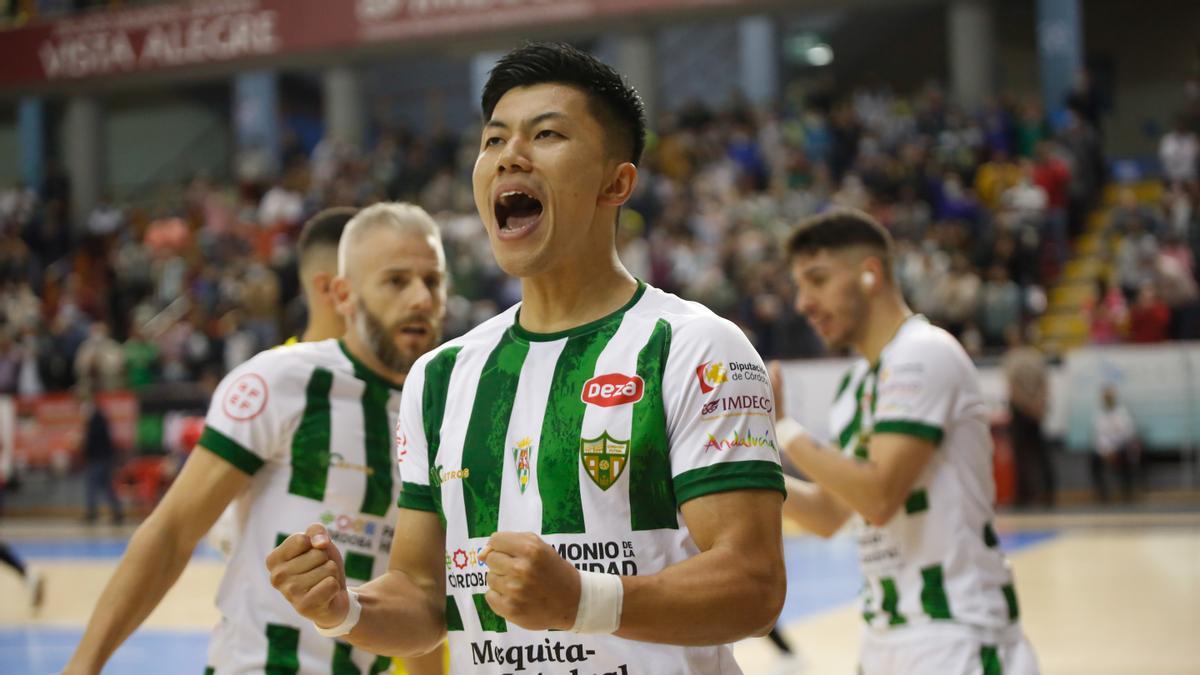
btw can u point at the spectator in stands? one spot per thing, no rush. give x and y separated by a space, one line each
100 461
1108 315
1116 446
1135 258
100 361
1179 153
958 294
10 362
141 359
1150 317
1130 215
1025 370
1000 308
1082 144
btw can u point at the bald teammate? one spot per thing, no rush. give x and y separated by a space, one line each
296 434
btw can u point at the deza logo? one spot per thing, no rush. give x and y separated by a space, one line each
612 390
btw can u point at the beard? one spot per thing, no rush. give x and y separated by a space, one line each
853 316
382 342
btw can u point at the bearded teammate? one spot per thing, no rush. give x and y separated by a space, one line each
913 465
295 434
590 478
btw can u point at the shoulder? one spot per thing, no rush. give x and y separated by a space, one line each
694 327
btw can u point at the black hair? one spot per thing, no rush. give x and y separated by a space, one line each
614 103
324 229
840 229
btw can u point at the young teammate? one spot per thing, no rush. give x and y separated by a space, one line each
295 434
913 462
598 461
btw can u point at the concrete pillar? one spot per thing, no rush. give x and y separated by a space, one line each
634 58
31 133
345 106
481 64
257 138
758 58
1060 49
83 154
972 52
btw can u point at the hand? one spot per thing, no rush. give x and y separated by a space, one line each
775 370
307 569
529 583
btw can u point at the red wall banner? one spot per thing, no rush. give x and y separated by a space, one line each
206 32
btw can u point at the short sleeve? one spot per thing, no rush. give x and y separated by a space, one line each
418 432
244 421
917 387
720 413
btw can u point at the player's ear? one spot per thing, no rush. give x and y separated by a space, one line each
322 285
343 299
620 186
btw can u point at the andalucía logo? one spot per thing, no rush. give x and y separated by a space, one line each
711 375
521 456
604 459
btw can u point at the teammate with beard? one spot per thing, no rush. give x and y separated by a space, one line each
295 435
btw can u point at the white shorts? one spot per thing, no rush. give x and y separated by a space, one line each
946 650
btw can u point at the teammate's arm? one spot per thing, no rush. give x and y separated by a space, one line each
812 507
877 487
157 554
307 569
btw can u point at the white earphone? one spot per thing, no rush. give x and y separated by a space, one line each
868 280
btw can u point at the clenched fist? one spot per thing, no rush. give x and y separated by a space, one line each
529 583
307 569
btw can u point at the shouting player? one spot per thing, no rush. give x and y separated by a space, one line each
295 435
913 462
591 483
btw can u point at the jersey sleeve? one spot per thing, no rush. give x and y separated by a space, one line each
918 384
720 413
246 417
419 428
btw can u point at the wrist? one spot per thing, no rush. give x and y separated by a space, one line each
348 621
601 597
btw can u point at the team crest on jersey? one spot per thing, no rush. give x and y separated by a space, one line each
522 452
711 375
604 459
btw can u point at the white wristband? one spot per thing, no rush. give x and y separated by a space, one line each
788 430
349 622
600 599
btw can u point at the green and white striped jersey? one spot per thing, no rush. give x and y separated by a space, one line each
314 427
591 438
938 559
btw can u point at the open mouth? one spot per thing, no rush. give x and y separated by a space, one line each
517 211
418 330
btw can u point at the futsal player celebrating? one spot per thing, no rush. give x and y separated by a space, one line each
912 464
590 479
296 434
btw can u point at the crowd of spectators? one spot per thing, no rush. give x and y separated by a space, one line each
982 206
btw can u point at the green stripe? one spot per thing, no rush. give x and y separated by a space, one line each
381 664
359 565
488 620
727 476
483 449
283 650
851 429
562 428
453 618
208 670
920 430
279 538
651 497
230 450
433 410
342 663
990 658
891 601
989 536
1010 598
378 436
416 496
933 593
310 444
917 502
845 383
